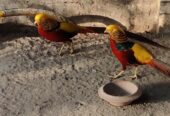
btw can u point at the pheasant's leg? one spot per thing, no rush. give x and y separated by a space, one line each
119 74
70 44
61 49
135 76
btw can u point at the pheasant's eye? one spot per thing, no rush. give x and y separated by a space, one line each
35 23
46 26
57 24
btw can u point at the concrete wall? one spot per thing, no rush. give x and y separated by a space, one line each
164 16
136 15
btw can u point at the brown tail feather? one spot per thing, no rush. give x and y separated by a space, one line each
160 66
92 30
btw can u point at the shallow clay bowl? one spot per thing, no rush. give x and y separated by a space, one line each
119 93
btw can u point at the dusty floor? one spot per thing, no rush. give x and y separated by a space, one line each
36 81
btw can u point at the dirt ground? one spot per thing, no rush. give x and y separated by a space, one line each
36 81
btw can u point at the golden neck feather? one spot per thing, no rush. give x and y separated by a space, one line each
119 37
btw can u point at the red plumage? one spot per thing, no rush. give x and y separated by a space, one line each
125 57
63 36
56 36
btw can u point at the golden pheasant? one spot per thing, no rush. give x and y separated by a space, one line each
130 53
53 30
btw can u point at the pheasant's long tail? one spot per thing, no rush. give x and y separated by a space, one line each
92 30
159 65
143 39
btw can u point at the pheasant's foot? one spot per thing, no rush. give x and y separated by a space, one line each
135 76
59 53
70 47
116 76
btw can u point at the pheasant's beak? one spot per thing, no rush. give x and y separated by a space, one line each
35 23
2 13
106 31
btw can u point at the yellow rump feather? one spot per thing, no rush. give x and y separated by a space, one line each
141 53
69 27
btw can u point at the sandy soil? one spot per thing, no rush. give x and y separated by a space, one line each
36 81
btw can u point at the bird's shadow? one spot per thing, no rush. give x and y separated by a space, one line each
11 31
154 93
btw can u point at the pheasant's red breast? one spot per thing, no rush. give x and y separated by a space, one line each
125 57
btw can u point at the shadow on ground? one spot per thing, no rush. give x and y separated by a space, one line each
154 93
11 31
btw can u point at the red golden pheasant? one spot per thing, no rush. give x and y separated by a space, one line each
130 53
53 30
